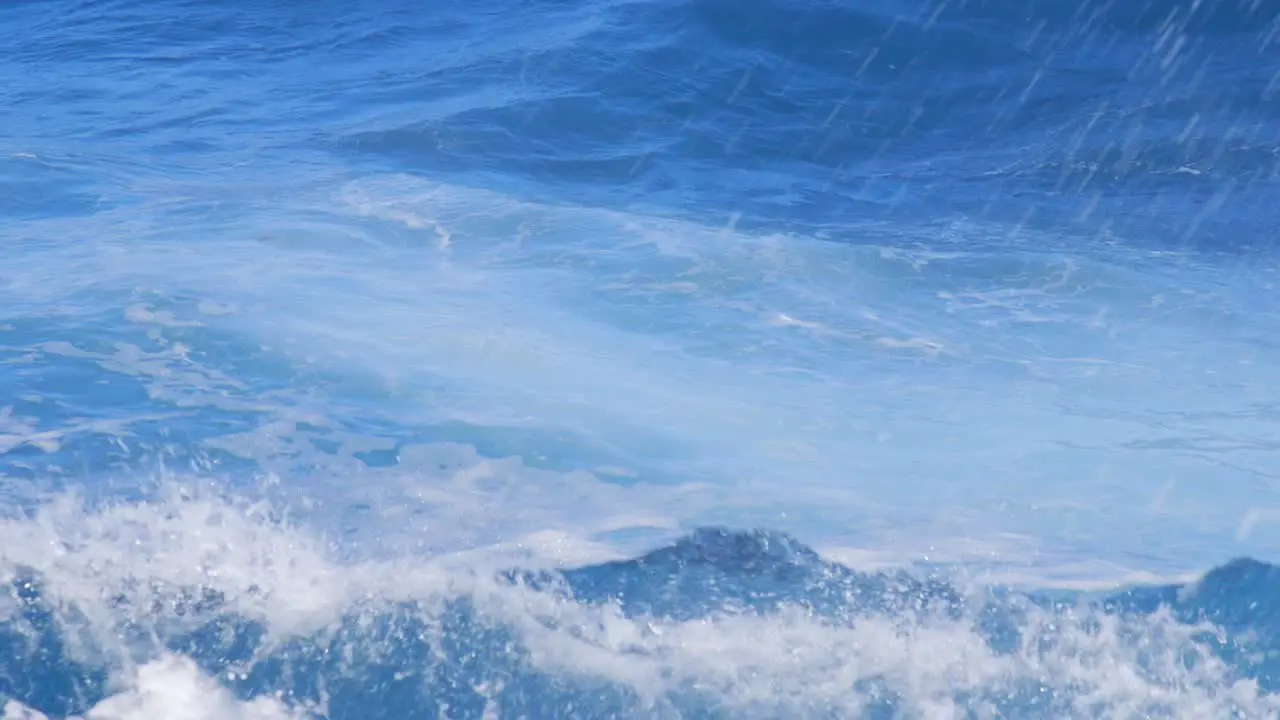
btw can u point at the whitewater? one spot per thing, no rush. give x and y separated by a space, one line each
639 358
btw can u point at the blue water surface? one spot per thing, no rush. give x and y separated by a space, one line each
639 358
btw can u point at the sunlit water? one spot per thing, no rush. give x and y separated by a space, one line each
639 359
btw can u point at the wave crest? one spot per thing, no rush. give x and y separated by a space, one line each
721 623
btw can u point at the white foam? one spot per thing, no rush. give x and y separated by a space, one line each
789 663
926 383
972 392
14 710
793 661
17 431
173 688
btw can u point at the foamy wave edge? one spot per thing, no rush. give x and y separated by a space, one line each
109 573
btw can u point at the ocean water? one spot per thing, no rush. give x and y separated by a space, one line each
639 358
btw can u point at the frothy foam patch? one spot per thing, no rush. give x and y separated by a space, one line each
262 565
1041 389
132 568
1030 366
16 431
173 688
1082 667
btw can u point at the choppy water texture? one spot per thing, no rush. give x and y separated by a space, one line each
623 358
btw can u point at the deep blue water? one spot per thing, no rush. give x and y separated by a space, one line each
653 358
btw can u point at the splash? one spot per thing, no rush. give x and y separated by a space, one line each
204 608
